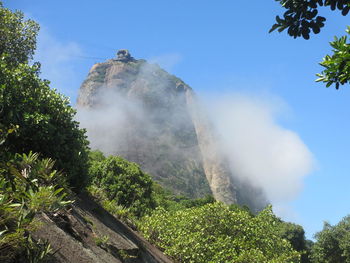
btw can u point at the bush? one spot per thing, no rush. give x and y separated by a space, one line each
216 233
123 182
170 202
27 186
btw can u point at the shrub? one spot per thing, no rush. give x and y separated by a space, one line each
215 233
122 182
27 186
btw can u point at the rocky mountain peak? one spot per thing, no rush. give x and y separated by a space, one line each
138 110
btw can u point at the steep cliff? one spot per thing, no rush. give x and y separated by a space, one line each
139 111
214 164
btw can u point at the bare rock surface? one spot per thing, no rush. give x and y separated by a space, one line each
87 233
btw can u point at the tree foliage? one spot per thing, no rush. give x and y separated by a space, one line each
337 66
28 185
333 243
17 36
301 17
295 234
42 118
216 233
169 201
123 182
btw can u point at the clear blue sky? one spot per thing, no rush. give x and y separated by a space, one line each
222 46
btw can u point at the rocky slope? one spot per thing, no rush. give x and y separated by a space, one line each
139 111
87 233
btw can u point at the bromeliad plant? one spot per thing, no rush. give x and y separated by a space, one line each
28 185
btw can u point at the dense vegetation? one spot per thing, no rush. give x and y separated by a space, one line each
35 118
192 230
333 243
42 118
126 191
121 182
28 185
216 233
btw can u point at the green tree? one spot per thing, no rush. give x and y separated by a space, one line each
295 234
217 233
123 182
301 18
333 243
17 36
43 119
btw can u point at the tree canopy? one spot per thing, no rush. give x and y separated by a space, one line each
40 119
333 243
122 182
301 19
216 233
17 36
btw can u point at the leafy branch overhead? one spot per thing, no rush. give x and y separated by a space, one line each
302 16
337 66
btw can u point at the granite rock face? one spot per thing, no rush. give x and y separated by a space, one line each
72 234
157 124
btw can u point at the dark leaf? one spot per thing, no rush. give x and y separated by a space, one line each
315 29
340 4
308 15
314 13
305 35
333 5
313 4
304 23
291 31
279 20
320 19
274 27
320 2
345 11
342 65
282 28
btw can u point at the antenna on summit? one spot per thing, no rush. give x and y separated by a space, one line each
123 55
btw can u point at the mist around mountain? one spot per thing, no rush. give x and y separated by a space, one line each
60 201
139 111
228 146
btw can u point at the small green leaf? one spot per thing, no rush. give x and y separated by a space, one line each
274 27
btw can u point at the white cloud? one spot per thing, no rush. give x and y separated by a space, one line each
57 61
259 149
